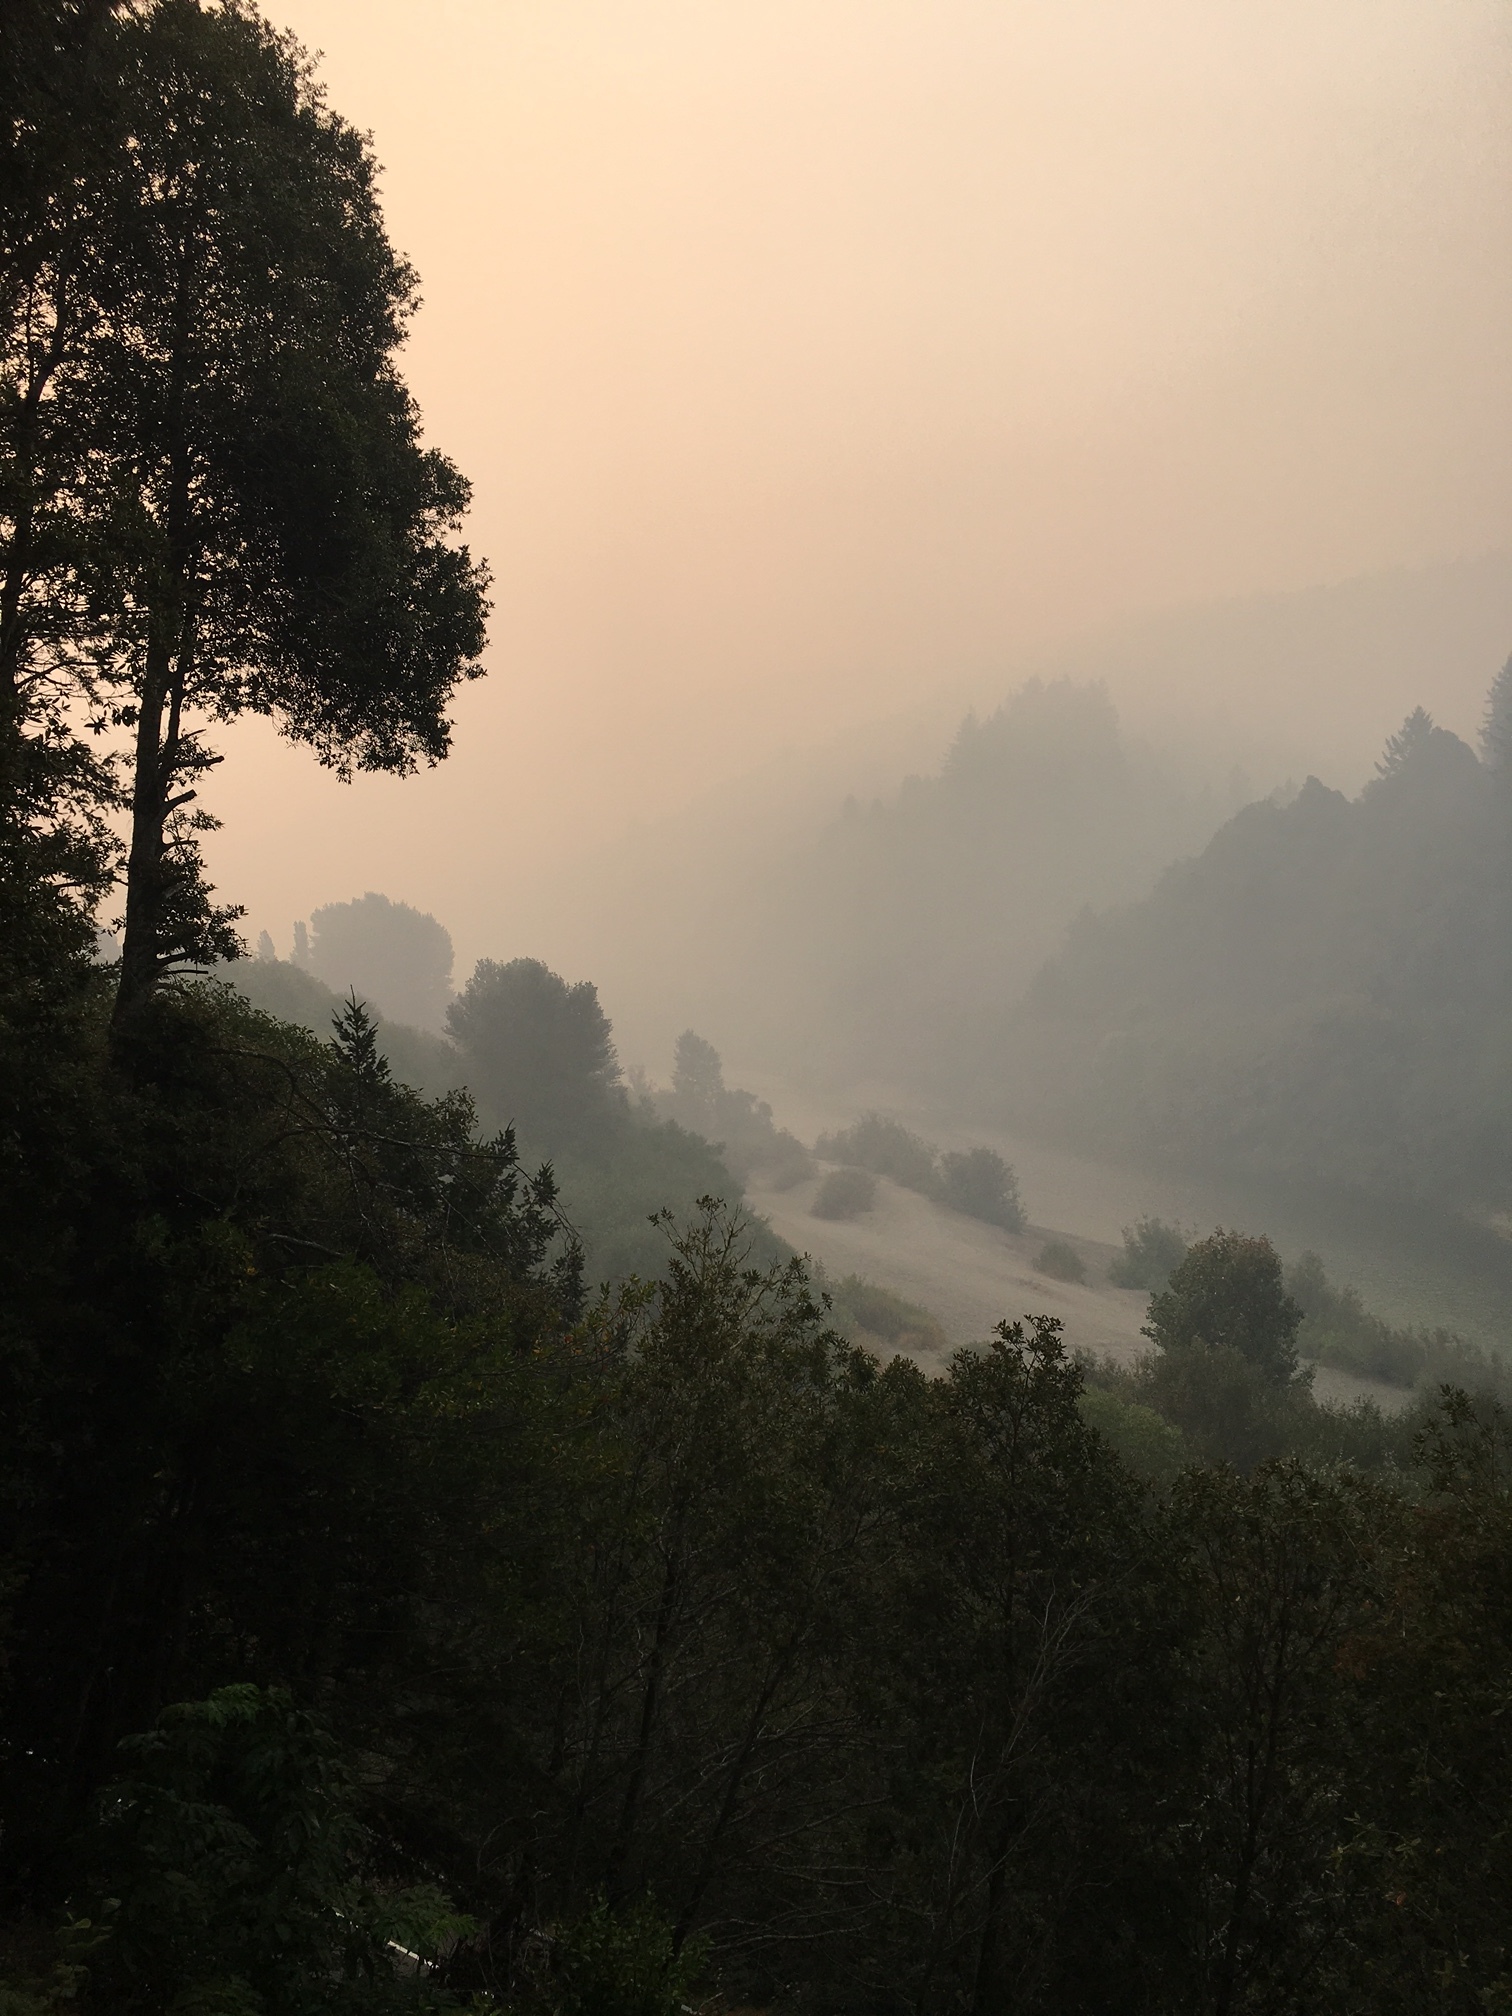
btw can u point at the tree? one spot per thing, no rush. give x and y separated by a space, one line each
1415 733
1496 734
541 1050
237 1877
397 957
57 147
698 1081
979 1182
1228 1293
265 531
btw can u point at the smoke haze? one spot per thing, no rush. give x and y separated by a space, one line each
823 368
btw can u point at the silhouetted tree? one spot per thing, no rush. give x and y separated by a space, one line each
264 530
397 957
1496 734
540 1051
1229 1293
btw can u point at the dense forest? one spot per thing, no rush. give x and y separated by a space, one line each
882 940
390 1618
1321 995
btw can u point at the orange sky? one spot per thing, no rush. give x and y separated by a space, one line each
814 358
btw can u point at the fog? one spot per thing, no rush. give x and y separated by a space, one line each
823 371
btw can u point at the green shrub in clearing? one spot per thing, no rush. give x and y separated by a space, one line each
846 1193
1152 1252
886 1148
1060 1261
979 1182
883 1322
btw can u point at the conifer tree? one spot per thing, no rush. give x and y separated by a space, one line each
1496 734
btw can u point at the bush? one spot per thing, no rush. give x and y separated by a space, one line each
1152 1252
886 1148
846 1193
783 1161
873 1317
1061 1261
980 1183
1338 1330
624 1963
234 1874
1145 1440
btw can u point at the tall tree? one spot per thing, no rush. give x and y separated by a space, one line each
59 143
267 533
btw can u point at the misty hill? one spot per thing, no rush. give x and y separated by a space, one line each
1324 995
888 934
538 1053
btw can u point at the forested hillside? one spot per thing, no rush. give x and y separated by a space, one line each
535 1055
910 913
391 1620
1323 995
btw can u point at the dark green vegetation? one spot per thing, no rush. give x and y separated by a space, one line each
1320 998
537 1054
213 495
976 1180
667 1646
387 1623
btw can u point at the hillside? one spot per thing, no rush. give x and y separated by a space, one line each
1322 996
880 940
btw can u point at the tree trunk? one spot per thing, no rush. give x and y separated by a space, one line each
155 757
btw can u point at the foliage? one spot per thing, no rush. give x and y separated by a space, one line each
1337 1329
625 1963
1152 1251
886 1148
216 500
231 1866
1151 1445
1318 998
979 1182
845 1193
1061 1261
396 957
876 1318
741 1125
1228 1294
539 1052
1496 734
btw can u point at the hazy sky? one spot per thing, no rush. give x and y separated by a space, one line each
813 358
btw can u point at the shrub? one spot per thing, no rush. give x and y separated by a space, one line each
783 1161
846 1193
625 1963
1145 1440
1061 1261
874 1316
980 1183
886 1148
1152 1251
1338 1330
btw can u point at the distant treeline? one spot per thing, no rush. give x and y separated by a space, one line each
874 952
1322 995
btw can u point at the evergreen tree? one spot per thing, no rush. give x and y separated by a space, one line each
1496 734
